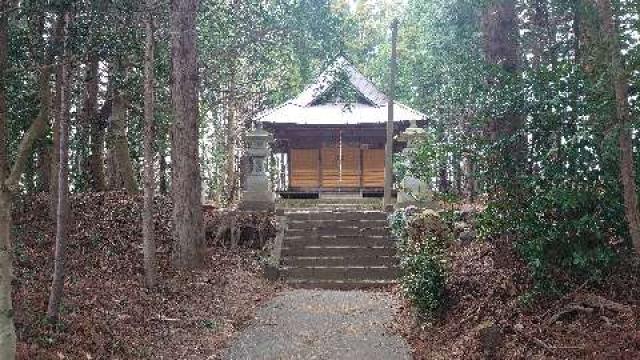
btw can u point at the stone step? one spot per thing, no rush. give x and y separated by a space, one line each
340 204
340 273
337 241
328 261
311 223
336 231
338 249
337 215
339 285
344 252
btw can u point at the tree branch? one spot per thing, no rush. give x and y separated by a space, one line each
35 131
24 150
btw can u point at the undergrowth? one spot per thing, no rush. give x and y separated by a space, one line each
421 238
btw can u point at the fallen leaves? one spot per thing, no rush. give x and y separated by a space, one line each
107 314
488 284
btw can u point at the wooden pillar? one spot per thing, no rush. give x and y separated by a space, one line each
289 167
320 168
388 163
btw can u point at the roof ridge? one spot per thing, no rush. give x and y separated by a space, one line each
407 107
326 79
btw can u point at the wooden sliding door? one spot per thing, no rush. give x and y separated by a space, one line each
305 164
373 168
332 168
350 169
340 167
330 162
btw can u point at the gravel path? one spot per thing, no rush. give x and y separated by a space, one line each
313 324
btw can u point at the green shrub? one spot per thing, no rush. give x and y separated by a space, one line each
421 237
561 232
398 225
423 281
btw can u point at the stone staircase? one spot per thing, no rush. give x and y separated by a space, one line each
337 248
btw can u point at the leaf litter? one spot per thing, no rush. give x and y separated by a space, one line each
107 313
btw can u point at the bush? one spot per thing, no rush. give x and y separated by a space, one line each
421 237
563 233
423 281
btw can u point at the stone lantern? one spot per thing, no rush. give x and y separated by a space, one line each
412 191
257 194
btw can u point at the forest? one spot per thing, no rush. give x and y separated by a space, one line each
123 158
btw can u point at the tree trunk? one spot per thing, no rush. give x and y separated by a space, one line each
164 186
468 165
468 169
44 168
7 329
443 178
540 22
121 169
500 32
620 82
231 175
55 126
62 220
231 132
186 186
149 246
456 172
88 118
98 179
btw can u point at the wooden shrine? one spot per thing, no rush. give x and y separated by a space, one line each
331 137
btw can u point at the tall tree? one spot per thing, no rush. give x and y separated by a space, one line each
55 127
121 173
62 218
188 232
500 33
149 246
95 162
7 330
230 117
85 119
620 84
10 178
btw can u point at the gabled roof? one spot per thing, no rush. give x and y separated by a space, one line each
309 109
329 77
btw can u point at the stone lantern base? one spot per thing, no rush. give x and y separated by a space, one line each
251 202
258 195
415 193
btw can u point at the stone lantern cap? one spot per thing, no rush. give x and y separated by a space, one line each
258 141
259 134
413 132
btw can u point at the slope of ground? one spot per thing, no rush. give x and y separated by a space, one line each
106 312
491 315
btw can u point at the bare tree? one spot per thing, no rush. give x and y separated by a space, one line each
186 186
62 218
149 246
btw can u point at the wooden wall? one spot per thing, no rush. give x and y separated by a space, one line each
314 159
326 168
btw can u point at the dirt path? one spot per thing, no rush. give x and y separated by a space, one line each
311 324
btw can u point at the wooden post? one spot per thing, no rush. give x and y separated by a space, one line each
388 161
